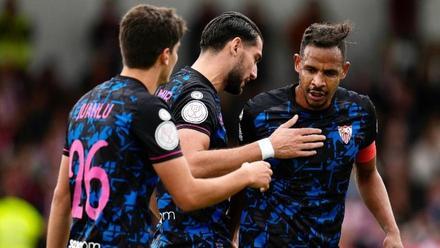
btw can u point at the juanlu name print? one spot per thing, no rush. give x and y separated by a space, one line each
94 110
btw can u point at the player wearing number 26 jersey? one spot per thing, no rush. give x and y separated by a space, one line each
115 133
121 138
118 137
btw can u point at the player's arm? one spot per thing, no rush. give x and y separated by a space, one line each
285 142
205 163
154 126
59 219
191 193
374 194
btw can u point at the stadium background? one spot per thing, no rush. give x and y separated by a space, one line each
51 52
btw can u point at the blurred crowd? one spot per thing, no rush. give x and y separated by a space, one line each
34 107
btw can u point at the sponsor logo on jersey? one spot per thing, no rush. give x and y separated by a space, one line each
345 133
166 135
167 215
195 112
83 244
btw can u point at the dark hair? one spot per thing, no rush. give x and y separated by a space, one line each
145 31
226 27
326 35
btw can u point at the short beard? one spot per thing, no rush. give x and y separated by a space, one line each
233 81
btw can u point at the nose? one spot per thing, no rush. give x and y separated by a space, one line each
318 80
254 72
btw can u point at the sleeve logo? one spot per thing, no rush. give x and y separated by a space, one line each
197 95
166 135
164 115
195 112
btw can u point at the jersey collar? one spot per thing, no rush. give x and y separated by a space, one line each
131 79
203 79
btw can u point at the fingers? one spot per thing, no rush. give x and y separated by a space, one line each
265 175
306 153
266 164
313 138
261 162
267 186
310 146
290 122
309 131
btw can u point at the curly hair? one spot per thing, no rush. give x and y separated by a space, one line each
326 35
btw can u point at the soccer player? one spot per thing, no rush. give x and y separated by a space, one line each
231 46
120 138
304 206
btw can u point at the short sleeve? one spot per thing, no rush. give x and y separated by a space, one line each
155 127
66 146
246 126
370 123
196 110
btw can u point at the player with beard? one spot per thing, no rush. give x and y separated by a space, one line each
120 138
304 206
231 46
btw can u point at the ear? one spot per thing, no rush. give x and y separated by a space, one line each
297 62
345 68
164 57
235 45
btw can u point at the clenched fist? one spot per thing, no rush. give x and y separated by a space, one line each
259 174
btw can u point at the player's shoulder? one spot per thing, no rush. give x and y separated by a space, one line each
89 96
149 100
346 95
188 82
268 99
133 93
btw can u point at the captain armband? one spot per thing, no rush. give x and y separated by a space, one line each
367 154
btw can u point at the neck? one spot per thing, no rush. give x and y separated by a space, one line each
299 97
213 67
149 77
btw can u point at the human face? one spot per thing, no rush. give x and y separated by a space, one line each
245 68
320 70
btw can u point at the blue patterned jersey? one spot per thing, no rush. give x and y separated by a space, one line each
115 133
304 206
194 104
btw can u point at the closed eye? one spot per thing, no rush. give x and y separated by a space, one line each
331 73
310 69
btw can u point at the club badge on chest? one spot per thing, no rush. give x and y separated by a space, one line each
345 133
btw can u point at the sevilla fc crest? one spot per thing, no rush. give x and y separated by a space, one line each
345 133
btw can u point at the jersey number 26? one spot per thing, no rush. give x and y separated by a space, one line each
88 173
